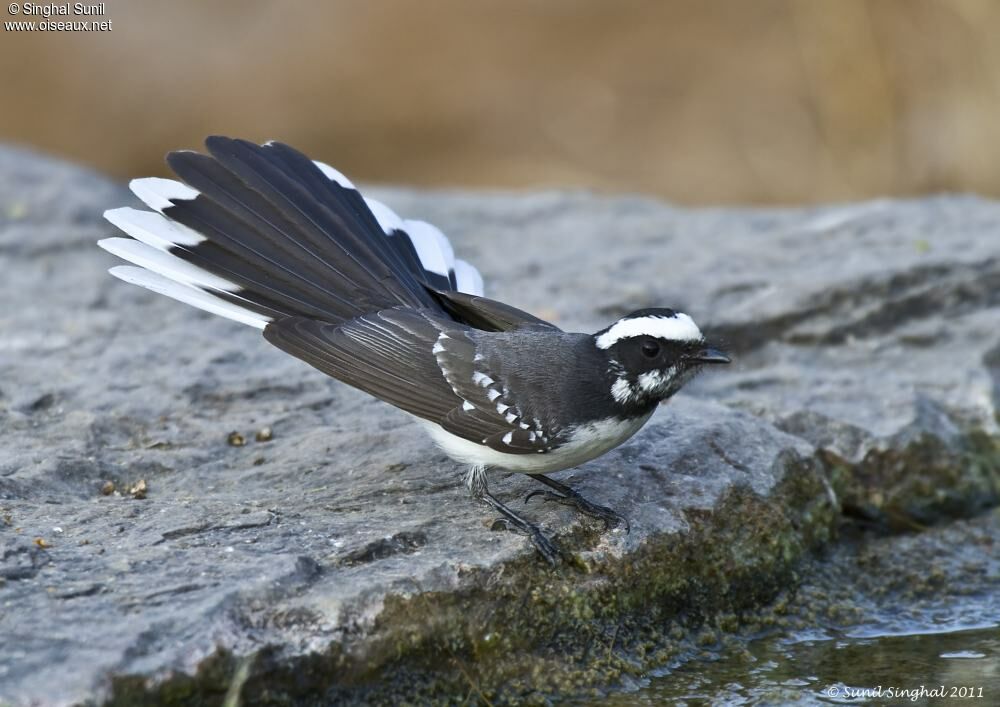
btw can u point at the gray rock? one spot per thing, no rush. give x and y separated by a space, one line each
343 560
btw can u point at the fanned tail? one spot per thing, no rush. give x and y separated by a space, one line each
257 233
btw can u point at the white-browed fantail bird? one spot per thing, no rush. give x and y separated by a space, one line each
265 236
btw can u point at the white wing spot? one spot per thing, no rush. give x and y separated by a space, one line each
482 379
492 394
510 417
467 406
508 437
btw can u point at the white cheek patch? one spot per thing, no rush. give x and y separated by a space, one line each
680 327
650 381
622 391
647 385
653 382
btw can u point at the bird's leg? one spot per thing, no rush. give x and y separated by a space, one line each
565 495
476 481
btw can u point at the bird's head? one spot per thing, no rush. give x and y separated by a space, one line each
652 353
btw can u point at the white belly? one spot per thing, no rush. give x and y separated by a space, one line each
585 442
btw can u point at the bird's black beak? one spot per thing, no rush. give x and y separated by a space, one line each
707 355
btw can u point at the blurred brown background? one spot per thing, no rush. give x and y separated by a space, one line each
705 101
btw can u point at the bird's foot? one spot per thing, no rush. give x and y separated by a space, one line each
568 497
545 546
510 520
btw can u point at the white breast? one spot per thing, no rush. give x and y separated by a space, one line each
585 442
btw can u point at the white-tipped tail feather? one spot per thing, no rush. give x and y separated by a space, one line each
189 295
386 217
162 263
433 248
334 175
468 279
259 247
156 192
152 228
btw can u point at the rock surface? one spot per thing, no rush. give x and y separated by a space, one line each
342 558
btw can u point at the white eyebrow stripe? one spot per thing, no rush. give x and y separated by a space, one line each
677 328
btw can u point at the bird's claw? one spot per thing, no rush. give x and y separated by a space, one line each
610 518
546 547
504 525
549 496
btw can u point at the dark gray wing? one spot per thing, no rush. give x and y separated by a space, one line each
420 362
386 354
485 398
487 314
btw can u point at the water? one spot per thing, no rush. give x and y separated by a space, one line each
911 619
782 670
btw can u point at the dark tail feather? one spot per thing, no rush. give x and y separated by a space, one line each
259 233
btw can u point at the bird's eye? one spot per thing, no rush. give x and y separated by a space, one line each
650 349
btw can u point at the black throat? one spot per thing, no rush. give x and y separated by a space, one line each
594 393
